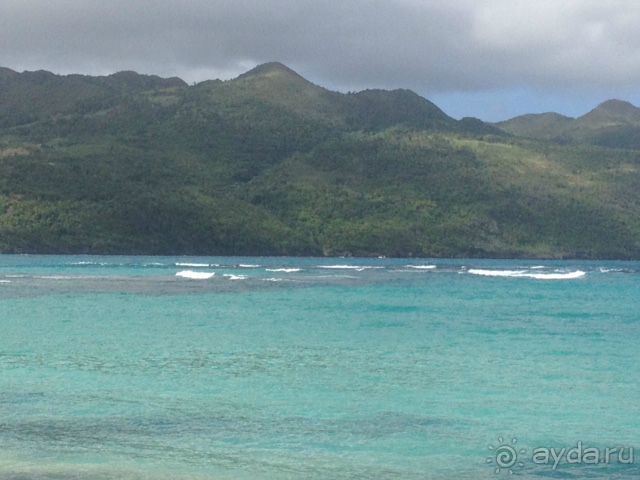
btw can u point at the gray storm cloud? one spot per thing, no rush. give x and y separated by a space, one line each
436 46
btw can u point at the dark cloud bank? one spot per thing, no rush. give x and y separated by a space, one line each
433 47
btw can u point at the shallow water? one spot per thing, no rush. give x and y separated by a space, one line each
289 368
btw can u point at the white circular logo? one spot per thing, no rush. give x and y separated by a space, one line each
505 456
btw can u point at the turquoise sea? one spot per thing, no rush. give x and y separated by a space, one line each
307 368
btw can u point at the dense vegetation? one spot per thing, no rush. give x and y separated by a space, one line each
269 163
614 124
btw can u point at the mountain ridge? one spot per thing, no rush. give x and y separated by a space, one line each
271 68
271 164
611 107
612 123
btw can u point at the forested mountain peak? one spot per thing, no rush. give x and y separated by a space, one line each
270 163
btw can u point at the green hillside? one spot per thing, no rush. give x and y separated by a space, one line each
546 126
613 124
269 163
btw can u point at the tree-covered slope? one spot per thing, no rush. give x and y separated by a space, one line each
270 163
613 124
545 126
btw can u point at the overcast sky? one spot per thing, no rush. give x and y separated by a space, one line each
487 58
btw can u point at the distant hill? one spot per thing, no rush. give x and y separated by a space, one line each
271 164
542 125
614 124
31 96
611 113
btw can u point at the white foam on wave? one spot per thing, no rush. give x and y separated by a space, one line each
196 265
273 279
230 276
610 270
5 281
422 267
557 276
357 268
526 274
248 265
112 264
496 273
285 270
95 264
538 267
190 274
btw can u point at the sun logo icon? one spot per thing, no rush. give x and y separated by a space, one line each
505 456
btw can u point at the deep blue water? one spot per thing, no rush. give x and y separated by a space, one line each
116 368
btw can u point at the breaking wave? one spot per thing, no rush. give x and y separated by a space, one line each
197 265
230 276
357 268
527 274
190 274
